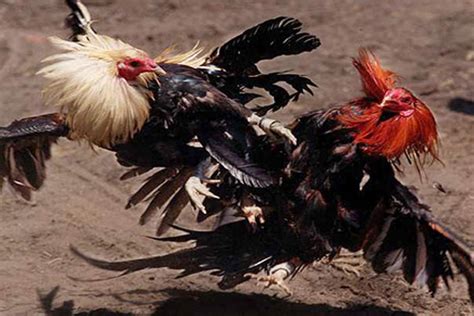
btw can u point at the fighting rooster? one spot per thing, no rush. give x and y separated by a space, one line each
338 191
148 111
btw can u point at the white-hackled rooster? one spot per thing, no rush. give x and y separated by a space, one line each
147 109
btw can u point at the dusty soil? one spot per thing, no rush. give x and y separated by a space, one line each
429 42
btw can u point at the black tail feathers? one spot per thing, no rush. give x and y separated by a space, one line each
229 252
25 146
79 19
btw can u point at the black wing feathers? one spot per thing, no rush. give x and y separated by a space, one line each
219 122
236 63
152 183
224 146
281 97
276 37
403 234
164 185
25 145
165 192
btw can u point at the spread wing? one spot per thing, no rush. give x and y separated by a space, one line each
25 145
273 38
233 66
402 234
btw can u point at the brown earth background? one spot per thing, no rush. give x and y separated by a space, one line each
430 43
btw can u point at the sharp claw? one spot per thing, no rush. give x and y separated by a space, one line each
196 201
201 208
203 190
211 181
268 281
291 138
275 278
283 131
198 192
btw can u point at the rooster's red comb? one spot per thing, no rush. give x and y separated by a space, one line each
375 79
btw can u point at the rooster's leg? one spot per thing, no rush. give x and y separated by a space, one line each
272 127
276 276
196 185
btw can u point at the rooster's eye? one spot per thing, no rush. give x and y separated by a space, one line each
405 100
135 64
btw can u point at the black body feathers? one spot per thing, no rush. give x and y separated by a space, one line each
25 145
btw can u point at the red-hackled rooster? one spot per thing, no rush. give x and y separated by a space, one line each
148 110
338 191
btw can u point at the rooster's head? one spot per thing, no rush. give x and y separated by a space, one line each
102 84
391 121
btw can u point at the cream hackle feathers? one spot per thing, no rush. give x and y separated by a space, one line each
83 82
192 58
101 107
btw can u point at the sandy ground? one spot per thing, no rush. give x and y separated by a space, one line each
430 43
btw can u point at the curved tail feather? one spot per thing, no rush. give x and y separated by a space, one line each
229 251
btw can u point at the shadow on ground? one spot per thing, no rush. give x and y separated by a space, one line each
462 105
189 303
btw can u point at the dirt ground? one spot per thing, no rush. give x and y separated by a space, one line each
430 43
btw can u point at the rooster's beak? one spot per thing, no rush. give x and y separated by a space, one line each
385 102
390 105
159 71
153 67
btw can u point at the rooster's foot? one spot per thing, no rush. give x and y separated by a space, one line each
276 277
273 127
198 191
349 263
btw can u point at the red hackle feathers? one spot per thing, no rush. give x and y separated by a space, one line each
387 133
414 135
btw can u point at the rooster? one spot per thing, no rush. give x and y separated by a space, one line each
148 110
338 191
